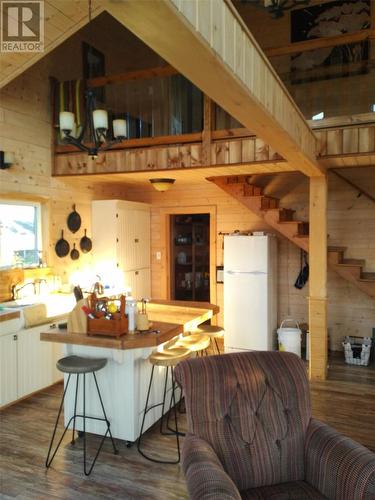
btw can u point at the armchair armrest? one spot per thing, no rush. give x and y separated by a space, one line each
338 466
205 476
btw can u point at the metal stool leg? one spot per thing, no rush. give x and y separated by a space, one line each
75 409
147 409
115 450
48 460
217 346
84 417
108 431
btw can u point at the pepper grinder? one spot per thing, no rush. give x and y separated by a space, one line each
142 318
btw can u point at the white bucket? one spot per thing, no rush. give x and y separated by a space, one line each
289 338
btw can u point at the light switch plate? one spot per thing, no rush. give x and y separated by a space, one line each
158 255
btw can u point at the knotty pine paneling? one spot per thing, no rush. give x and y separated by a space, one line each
25 130
349 310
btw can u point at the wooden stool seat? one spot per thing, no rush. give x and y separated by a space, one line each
211 330
170 357
195 342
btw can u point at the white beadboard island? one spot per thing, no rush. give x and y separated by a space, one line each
123 382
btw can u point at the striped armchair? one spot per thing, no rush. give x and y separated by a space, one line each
251 434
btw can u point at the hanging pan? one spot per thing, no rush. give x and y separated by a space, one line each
74 254
85 243
62 246
74 220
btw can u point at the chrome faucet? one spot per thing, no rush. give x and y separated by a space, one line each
16 290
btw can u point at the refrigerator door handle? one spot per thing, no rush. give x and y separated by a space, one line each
232 272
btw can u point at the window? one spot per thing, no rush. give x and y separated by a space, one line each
20 234
318 116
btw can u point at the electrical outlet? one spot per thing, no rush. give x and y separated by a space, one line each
158 255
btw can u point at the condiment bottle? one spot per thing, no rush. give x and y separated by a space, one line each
131 311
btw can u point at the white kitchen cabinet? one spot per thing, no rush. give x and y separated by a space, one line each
34 359
121 239
8 368
27 364
139 282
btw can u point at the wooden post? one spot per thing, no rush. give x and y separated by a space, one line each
207 130
318 278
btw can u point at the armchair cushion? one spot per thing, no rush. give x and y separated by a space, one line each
296 490
256 420
338 466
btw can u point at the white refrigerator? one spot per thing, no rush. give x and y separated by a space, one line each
250 293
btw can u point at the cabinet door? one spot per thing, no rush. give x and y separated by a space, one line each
142 238
133 238
8 369
140 282
104 232
57 353
144 282
34 359
127 248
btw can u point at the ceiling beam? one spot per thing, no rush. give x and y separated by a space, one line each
320 43
212 47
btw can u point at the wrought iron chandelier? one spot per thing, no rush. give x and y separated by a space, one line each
95 128
277 7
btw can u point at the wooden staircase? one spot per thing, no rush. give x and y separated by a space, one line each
282 220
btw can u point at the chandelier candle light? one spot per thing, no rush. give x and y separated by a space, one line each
97 120
96 123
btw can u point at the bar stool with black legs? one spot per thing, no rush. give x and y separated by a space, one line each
213 331
77 365
169 359
196 342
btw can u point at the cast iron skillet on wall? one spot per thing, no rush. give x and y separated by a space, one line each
74 254
62 247
85 243
74 220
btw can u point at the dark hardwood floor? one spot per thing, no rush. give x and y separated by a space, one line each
346 401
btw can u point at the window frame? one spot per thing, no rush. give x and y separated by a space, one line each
39 230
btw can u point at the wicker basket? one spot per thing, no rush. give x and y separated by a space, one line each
357 350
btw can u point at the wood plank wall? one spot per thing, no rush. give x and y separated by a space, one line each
25 130
350 223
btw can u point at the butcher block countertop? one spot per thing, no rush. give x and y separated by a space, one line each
170 317
7 315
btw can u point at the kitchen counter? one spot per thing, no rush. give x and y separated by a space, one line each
169 317
124 380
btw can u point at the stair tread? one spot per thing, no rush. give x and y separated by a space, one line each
352 262
336 249
369 277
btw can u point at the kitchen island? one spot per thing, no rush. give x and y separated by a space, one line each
124 380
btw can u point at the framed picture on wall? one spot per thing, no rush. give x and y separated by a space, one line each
325 20
93 64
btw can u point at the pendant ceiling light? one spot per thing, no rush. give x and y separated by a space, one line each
96 125
162 184
277 7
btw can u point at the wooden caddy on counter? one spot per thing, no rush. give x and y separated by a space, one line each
114 327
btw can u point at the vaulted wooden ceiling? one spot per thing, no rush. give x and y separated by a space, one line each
62 19
209 47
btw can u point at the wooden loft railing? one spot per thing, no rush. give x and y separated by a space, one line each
339 147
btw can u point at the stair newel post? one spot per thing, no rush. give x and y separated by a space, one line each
318 278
